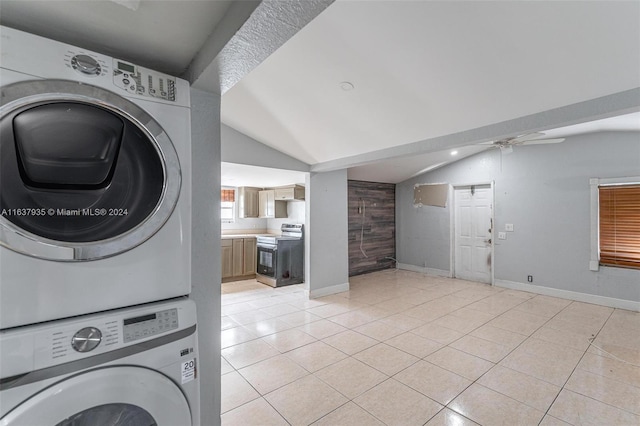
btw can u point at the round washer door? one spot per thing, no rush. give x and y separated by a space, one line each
85 173
116 396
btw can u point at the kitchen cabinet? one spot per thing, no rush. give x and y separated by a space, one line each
248 202
238 258
269 207
227 258
290 193
249 256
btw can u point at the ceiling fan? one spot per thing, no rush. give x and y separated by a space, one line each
506 145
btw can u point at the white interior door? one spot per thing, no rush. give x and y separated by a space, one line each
473 230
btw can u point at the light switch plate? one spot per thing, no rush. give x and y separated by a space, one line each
502 235
508 227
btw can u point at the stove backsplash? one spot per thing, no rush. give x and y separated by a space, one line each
295 214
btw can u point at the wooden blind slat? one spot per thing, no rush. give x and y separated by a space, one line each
620 225
227 195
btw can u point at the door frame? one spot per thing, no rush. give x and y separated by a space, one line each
452 227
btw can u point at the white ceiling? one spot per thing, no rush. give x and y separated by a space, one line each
428 69
421 70
262 177
396 170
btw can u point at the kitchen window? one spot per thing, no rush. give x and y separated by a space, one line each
228 205
616 210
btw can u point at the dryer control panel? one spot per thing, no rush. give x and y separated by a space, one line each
42 58
131 78
141 81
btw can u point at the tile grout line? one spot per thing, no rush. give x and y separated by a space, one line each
405 331
576 368
577 363
497 363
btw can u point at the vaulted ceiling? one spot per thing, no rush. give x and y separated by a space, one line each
425 77
384 88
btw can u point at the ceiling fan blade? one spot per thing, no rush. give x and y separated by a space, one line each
542 141
526 137
513 140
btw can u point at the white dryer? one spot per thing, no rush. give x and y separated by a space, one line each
95 190
129 366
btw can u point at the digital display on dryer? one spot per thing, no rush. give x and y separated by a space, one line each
126 67
136 320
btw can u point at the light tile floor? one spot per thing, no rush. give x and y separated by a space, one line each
402 348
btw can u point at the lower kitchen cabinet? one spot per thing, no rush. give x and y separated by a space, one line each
249 256
238 259
227 258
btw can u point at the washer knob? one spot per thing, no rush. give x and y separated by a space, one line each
86 65
86 339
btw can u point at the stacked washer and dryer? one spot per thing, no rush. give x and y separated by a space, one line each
95 199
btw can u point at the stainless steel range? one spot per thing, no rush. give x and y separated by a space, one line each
281 259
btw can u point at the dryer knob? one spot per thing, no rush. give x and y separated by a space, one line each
86 339
86 65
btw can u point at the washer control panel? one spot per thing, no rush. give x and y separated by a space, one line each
143 82
148 325
86 339
71 341
37 346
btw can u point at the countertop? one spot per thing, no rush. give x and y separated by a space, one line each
232 236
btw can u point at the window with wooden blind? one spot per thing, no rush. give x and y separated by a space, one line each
227 204
619 225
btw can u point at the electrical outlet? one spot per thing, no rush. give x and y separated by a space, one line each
502 235
508 227
530 278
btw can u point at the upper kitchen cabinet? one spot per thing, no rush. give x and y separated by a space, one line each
269 207
248 200
290 193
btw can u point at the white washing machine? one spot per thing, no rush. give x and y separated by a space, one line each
129 366
95 184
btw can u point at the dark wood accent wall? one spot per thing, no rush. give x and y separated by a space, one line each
378 203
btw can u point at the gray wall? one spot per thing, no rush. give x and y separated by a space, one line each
241 149
544 191
326 265
205 246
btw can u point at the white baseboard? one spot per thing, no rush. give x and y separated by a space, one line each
571 295
326 291
429 271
